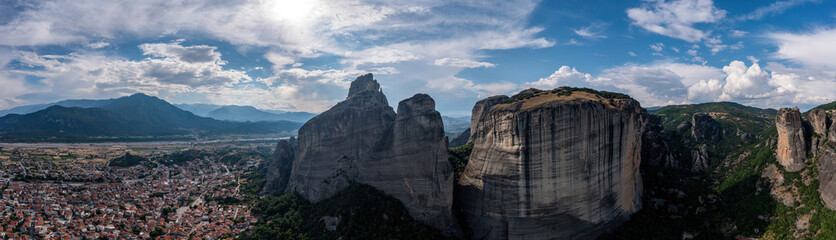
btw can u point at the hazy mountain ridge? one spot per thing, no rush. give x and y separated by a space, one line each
135 115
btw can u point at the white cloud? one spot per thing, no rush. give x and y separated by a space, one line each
593 31
676 18
737 33
97 45
814 49
631 54
564 76
744 82
455 62
658 47
775 8
666 83
705 90
396 39
172 68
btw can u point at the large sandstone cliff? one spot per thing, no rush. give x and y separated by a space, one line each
792 146
363 140
553 166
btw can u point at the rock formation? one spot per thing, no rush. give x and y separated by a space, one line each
279 166
656 150
362 140
792 147
553 166
699 158
480 109
823 126
818 121
827 176
705 128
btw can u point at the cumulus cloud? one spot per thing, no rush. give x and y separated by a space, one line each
744 82
668 83
813 49
170 68
564 76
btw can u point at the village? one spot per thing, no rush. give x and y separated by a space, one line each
74 193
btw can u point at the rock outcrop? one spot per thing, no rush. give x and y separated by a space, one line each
827 176
792 146
553 166
656 150
822 147
480 109
705 128
279 166
699 159
819 122
363 140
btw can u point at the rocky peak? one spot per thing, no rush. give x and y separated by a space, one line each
363 83
363 140
792 146
418 103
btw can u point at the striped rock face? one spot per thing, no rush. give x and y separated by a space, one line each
553 166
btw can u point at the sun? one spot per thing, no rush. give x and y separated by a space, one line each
292 11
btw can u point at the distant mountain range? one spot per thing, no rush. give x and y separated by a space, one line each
138 115
249 113
220 112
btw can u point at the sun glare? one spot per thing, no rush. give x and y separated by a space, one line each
293 11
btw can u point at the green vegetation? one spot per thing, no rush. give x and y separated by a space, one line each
364 212
127 160
829 106
458 157
566 91
180 158
749 119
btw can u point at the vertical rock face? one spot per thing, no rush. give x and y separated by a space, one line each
792 147
824 127
705 128
553 167
480 109
827 176
819 121
699 157
278 169
362 139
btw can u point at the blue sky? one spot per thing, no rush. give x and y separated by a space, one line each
302 55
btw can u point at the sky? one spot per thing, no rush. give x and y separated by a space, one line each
302 55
